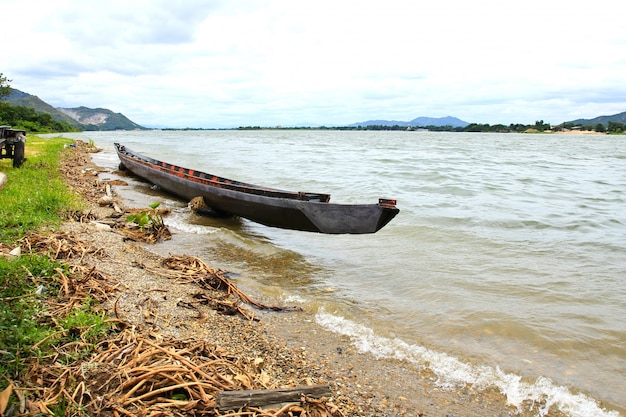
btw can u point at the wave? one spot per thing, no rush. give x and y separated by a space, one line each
181 223
453 373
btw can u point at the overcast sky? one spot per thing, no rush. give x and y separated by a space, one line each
219 63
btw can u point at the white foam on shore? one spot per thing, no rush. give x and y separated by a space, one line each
542 394
178 222
294 299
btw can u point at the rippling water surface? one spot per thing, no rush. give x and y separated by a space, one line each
505 267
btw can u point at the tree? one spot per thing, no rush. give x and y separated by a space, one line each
5 88
616 127
541 126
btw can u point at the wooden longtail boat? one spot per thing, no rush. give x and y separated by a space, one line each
310 212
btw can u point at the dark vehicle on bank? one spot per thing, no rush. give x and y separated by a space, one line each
12 144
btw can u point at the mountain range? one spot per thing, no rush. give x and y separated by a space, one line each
85 118
619 118
418 122
454 122
82 118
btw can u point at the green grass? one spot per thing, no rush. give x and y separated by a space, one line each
83 322
22 323
34 199
34 195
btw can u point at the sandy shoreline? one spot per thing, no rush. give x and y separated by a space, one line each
292 347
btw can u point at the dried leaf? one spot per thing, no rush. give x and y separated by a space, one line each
4 398
245 380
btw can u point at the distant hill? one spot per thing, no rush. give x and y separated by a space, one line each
417 122
438 121
82 118
620 118
100 119
379 123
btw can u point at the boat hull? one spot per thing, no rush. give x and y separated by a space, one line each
298 211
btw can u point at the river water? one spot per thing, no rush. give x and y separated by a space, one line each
505 267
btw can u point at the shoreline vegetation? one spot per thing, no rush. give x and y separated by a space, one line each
94 323
613 128
425 129
483 129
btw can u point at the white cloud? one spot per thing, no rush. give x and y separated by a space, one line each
252 62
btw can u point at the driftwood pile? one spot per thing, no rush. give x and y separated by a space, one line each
189 269
135 372
78 282
155 231
59 246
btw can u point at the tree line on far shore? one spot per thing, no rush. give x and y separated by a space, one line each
539 127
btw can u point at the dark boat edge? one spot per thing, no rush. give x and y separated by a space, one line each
269 206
